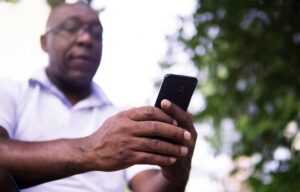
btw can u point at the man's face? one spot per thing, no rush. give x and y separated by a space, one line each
73 42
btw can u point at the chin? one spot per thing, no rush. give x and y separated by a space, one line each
83 80
80 80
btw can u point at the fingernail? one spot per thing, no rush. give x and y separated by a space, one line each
184 151
173 160
166 102
187 135
175 123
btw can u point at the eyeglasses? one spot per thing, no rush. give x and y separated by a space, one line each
74 27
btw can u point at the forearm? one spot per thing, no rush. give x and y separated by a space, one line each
156 181
32 163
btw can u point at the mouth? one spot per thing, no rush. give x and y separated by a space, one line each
83 58
82 61
82 65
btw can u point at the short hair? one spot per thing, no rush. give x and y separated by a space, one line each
55 3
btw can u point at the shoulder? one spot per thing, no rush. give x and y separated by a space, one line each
10 92
10 87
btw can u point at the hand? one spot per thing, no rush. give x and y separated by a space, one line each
6 182
179 172
132 137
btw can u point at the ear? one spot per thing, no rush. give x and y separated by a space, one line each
43 42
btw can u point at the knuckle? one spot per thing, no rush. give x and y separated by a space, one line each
149 158
149 112
125 155
125 126
154 127
133 112
154 144
125 112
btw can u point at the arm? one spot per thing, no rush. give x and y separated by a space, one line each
32 163
174 177
6 181
122 141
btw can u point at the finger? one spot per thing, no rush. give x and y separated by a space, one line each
183 118
158 146
149 113
163 130
154 159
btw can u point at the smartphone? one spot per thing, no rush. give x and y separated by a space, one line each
178 89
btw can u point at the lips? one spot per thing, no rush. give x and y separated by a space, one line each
82 61
85 58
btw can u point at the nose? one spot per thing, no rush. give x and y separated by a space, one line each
84 38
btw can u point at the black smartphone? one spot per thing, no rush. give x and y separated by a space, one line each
178 89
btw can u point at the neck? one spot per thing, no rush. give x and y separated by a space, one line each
75 94
72 91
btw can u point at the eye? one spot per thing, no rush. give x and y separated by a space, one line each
71 26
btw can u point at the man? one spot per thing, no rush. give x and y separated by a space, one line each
59 132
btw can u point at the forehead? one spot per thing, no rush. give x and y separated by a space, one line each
78 10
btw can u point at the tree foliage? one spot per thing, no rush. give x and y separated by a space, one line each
250 52
10 1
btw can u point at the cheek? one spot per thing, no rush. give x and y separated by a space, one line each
58 52
98 53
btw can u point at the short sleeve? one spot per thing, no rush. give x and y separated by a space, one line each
134 170
8 102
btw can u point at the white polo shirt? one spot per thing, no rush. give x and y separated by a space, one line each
37 111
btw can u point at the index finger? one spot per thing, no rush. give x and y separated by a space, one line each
150 113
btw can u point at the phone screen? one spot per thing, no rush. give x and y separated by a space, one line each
178 89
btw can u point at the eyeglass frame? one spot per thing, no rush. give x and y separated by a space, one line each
83 27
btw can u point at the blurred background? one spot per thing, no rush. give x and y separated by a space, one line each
245 55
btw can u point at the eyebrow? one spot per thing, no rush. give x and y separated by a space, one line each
49 28
94 21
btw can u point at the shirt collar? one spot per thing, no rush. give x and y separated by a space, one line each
97 97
